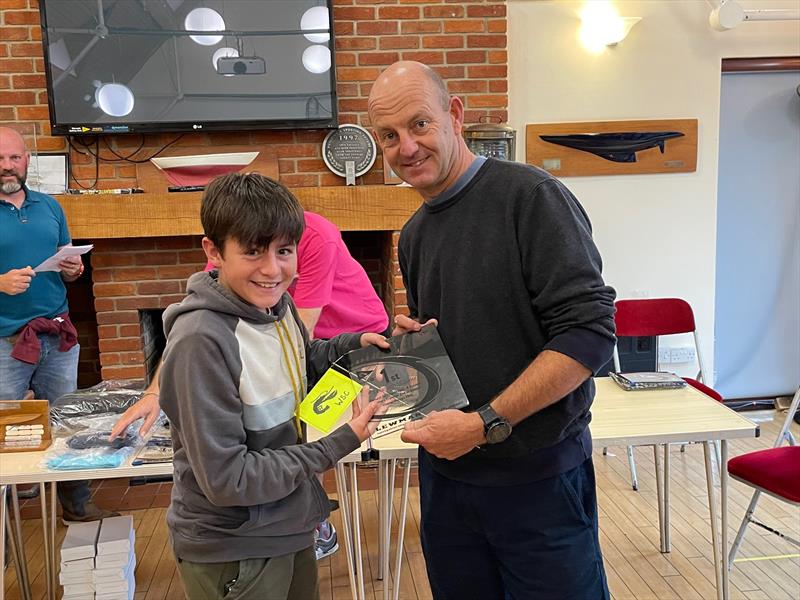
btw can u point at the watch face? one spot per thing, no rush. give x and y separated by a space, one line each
498 432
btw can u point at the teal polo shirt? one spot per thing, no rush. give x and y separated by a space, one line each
27 237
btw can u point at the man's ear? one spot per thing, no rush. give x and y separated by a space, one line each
456 111
376 138
213 252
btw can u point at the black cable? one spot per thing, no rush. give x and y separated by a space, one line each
96 164
125 158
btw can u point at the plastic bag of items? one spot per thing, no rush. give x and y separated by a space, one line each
91 450
97 407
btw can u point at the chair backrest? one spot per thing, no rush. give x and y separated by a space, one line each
647 317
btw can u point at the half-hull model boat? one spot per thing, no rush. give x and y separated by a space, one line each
616 147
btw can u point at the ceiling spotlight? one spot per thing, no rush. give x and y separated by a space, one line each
114 99
225 52
316 18
204 19
317 59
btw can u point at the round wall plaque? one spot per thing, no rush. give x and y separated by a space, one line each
349 152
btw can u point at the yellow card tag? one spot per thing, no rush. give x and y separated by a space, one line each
327 401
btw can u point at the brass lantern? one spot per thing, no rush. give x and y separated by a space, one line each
494 140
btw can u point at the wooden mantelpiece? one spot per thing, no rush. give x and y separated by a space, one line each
352 208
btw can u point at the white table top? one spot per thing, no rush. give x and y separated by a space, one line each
662 416
26 467
618 418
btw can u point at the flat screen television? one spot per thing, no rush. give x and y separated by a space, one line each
127 66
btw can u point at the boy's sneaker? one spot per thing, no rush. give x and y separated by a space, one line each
90 512
325 542
31 491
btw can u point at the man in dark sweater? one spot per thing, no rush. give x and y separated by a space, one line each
501 256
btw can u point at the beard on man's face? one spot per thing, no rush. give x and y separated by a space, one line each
12 187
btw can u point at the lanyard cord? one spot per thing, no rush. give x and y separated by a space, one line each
298 381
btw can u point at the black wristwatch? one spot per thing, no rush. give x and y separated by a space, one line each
496 428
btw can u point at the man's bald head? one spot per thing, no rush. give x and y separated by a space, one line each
399 73
13 161
9 136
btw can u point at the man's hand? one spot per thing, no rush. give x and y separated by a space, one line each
447 433
71 267
147 408
374 339
404 324
16 281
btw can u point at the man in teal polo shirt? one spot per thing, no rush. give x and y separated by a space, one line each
38 343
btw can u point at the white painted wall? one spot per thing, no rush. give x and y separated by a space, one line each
656 232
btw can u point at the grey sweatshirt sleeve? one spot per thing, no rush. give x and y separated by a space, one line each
563 270
200 396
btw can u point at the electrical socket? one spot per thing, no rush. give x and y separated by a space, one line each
664 355
682 354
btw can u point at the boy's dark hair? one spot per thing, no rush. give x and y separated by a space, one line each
251 209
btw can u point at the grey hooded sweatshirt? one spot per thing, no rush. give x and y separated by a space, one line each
244 485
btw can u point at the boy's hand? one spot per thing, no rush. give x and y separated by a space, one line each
374 339
404 324
147 407
361 423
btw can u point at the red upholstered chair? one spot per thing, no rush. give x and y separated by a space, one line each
775 471
654 317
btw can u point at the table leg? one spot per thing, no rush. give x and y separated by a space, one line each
3 496
356 527
16 533
13 546
347 532
388 496
53 563
401 529
723 484
712 506
381 514
667 544
46 541
660 497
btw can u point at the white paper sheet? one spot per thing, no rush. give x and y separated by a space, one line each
51 264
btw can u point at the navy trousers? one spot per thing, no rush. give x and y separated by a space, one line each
536 541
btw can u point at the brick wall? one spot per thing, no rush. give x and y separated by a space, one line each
464 41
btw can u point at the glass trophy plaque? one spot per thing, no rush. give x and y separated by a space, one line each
413 378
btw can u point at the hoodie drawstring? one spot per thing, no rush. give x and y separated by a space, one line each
297 380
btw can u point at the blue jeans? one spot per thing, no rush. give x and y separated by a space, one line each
54 375
522 542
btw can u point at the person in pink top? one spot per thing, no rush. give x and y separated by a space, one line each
332 290
333 295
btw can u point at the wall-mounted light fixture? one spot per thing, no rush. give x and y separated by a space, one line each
602 26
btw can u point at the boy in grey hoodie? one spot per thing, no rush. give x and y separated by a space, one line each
245 499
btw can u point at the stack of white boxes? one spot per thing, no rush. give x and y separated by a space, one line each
98 560
77 561
115 563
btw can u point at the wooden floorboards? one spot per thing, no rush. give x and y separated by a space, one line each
629 537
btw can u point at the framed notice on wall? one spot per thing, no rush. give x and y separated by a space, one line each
48 173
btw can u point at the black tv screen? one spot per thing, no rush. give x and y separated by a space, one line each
125 66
